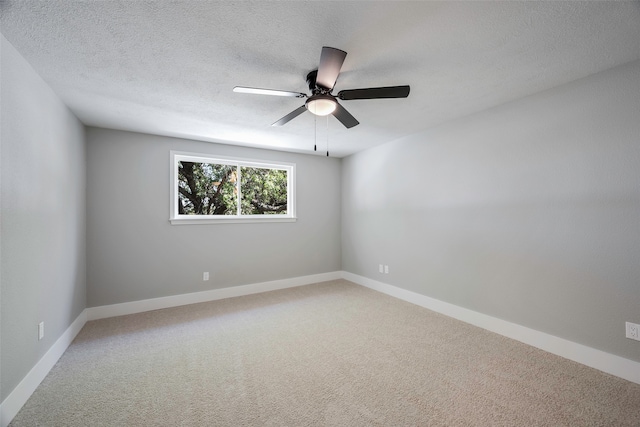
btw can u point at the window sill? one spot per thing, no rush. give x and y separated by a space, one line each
233 220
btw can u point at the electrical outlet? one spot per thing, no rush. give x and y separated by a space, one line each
386 269
40 330
380 268
633 331
205 276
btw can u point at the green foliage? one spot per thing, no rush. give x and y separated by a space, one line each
207 189
212 189
264 191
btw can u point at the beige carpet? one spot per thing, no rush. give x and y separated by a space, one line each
331 354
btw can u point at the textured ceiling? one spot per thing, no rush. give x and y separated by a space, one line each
169 67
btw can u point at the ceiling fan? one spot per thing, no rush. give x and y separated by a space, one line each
322 102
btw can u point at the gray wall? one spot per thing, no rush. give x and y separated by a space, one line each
43 217
529 212
134 253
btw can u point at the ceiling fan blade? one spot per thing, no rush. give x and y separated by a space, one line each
292 115
258 91
375 93
344 116
331 61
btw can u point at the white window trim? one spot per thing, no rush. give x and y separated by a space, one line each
177 219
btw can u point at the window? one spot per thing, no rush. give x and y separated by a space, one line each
206 189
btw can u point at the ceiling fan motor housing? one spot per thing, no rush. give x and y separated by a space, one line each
314 87
321 102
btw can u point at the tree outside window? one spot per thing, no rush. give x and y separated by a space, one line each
216 188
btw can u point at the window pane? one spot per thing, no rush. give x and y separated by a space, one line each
264 191
207 189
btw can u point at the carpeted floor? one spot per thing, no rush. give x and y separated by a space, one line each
330 354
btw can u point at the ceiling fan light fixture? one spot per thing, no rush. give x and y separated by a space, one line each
321 105
321 83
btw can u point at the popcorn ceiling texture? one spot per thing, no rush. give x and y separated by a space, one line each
169 67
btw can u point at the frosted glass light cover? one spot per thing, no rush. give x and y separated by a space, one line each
321 106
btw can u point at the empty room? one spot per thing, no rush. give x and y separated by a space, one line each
319 213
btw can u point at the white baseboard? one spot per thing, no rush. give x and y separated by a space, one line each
588 356
19 396
606 362
101 312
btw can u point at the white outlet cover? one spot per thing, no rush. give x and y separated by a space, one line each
386 269
40 330
632 331
205 276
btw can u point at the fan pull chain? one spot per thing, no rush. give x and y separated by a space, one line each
327 116
315 132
